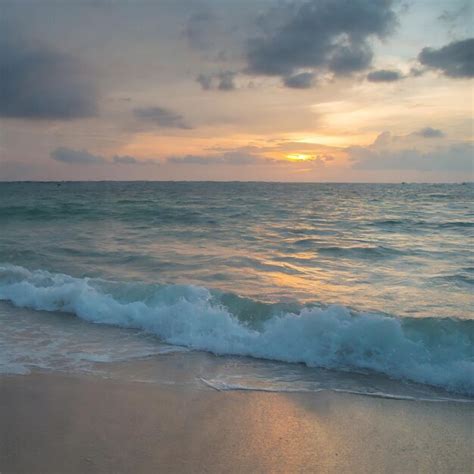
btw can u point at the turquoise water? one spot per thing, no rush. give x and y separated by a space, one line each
356 277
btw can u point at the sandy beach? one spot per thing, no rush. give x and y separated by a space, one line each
52 423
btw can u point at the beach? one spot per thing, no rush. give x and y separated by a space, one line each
54 423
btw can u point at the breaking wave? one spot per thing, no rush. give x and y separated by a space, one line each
433 351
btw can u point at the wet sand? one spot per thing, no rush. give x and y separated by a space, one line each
51 423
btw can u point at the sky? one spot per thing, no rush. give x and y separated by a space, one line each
260 90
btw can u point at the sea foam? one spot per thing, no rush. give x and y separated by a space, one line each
434 351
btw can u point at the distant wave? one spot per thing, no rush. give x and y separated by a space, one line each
146 211
48 212
413 224
133 212
458 279
433 351
360 252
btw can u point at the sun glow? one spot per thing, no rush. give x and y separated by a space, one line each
299 157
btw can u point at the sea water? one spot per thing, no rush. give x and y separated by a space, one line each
297 287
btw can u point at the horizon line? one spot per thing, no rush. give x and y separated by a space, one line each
225 181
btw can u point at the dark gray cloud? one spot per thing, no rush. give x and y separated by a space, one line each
83 157
131 160
126 160
37 82
351 58
429 132
226 81
205 80
384 75
320 35
161 117
303 80
223 81
456 59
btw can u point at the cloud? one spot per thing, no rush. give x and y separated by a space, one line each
37 82
384 75
226 81
126 160
223 81
251 155
83 157
350 58
235 158
131 160
417 72
323 35
310 154
303 80
401 153
161 117
456 59
205 81
429 132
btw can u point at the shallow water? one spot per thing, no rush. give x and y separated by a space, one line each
37 340
348 277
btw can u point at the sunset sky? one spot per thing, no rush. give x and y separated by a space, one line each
310 90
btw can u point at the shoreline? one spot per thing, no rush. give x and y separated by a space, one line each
58 423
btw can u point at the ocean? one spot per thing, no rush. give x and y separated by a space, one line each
363 288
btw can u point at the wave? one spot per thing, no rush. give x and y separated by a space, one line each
223 386
414 224
360 252
126 212
433 351
52 211
457 279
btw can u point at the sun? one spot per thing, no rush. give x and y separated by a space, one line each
299 157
